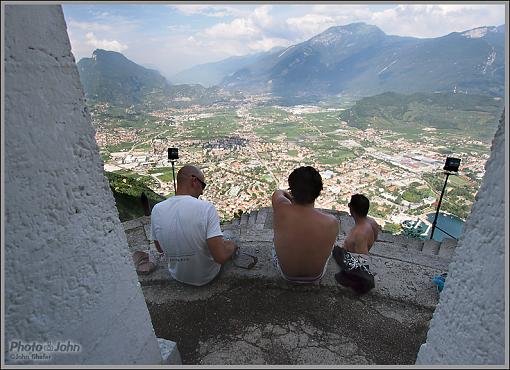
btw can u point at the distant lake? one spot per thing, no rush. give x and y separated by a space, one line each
451 224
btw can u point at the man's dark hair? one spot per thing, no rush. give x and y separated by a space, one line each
360 205
305 184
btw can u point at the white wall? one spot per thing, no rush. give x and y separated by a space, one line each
68 273
468 326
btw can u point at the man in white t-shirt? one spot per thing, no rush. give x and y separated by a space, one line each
187 230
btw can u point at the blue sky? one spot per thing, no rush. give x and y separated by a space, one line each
172 37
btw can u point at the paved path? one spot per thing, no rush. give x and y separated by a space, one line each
254 317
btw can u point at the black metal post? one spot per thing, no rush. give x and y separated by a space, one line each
173 174
438 206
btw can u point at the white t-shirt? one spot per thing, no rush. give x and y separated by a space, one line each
181 225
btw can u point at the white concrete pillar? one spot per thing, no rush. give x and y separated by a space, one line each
69 277
468 325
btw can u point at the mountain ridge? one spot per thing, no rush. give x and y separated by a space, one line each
362 60
356 59
109 76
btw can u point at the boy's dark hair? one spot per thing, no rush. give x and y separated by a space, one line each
359 204
305 184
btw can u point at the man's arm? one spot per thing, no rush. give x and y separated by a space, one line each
221 249
375 227
158 247
281 197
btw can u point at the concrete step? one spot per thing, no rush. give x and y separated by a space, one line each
252 219
401 240
262 215
401 253
447 248
430 246
260 219
244 219
268 222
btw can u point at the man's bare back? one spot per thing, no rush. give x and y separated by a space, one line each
303 236
362 236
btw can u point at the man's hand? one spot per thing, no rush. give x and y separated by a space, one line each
281 197
230 245
288 195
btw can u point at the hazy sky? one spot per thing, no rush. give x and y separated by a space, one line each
172 37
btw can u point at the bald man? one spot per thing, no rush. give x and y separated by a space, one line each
187 230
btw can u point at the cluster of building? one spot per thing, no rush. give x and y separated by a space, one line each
242 175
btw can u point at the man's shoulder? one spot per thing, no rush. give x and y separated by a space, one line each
372 221
203 206
328 217
205 203
182 201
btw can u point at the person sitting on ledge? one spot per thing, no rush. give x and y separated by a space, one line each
353 257
303 235
188 231
364 233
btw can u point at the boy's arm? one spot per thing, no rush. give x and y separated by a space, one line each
350 244
375 227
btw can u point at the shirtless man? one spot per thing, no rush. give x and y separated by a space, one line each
353 258
303 236
365 230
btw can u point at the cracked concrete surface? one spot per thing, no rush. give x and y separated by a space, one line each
246 322
301 343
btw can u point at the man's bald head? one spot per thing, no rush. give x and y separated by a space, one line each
186 172
190 181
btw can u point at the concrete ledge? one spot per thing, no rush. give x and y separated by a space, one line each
408 279
402 272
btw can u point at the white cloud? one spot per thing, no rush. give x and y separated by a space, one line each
112 45
207 10
431 20
266 44
309 25
261 16
89 26
253 32
238 28
351 12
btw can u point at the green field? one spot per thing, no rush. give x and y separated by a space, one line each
219 126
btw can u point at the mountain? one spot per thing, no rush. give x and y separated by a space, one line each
110 76
210 74
473 115
360 59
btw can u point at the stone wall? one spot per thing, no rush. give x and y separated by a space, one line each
468 326
69 277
